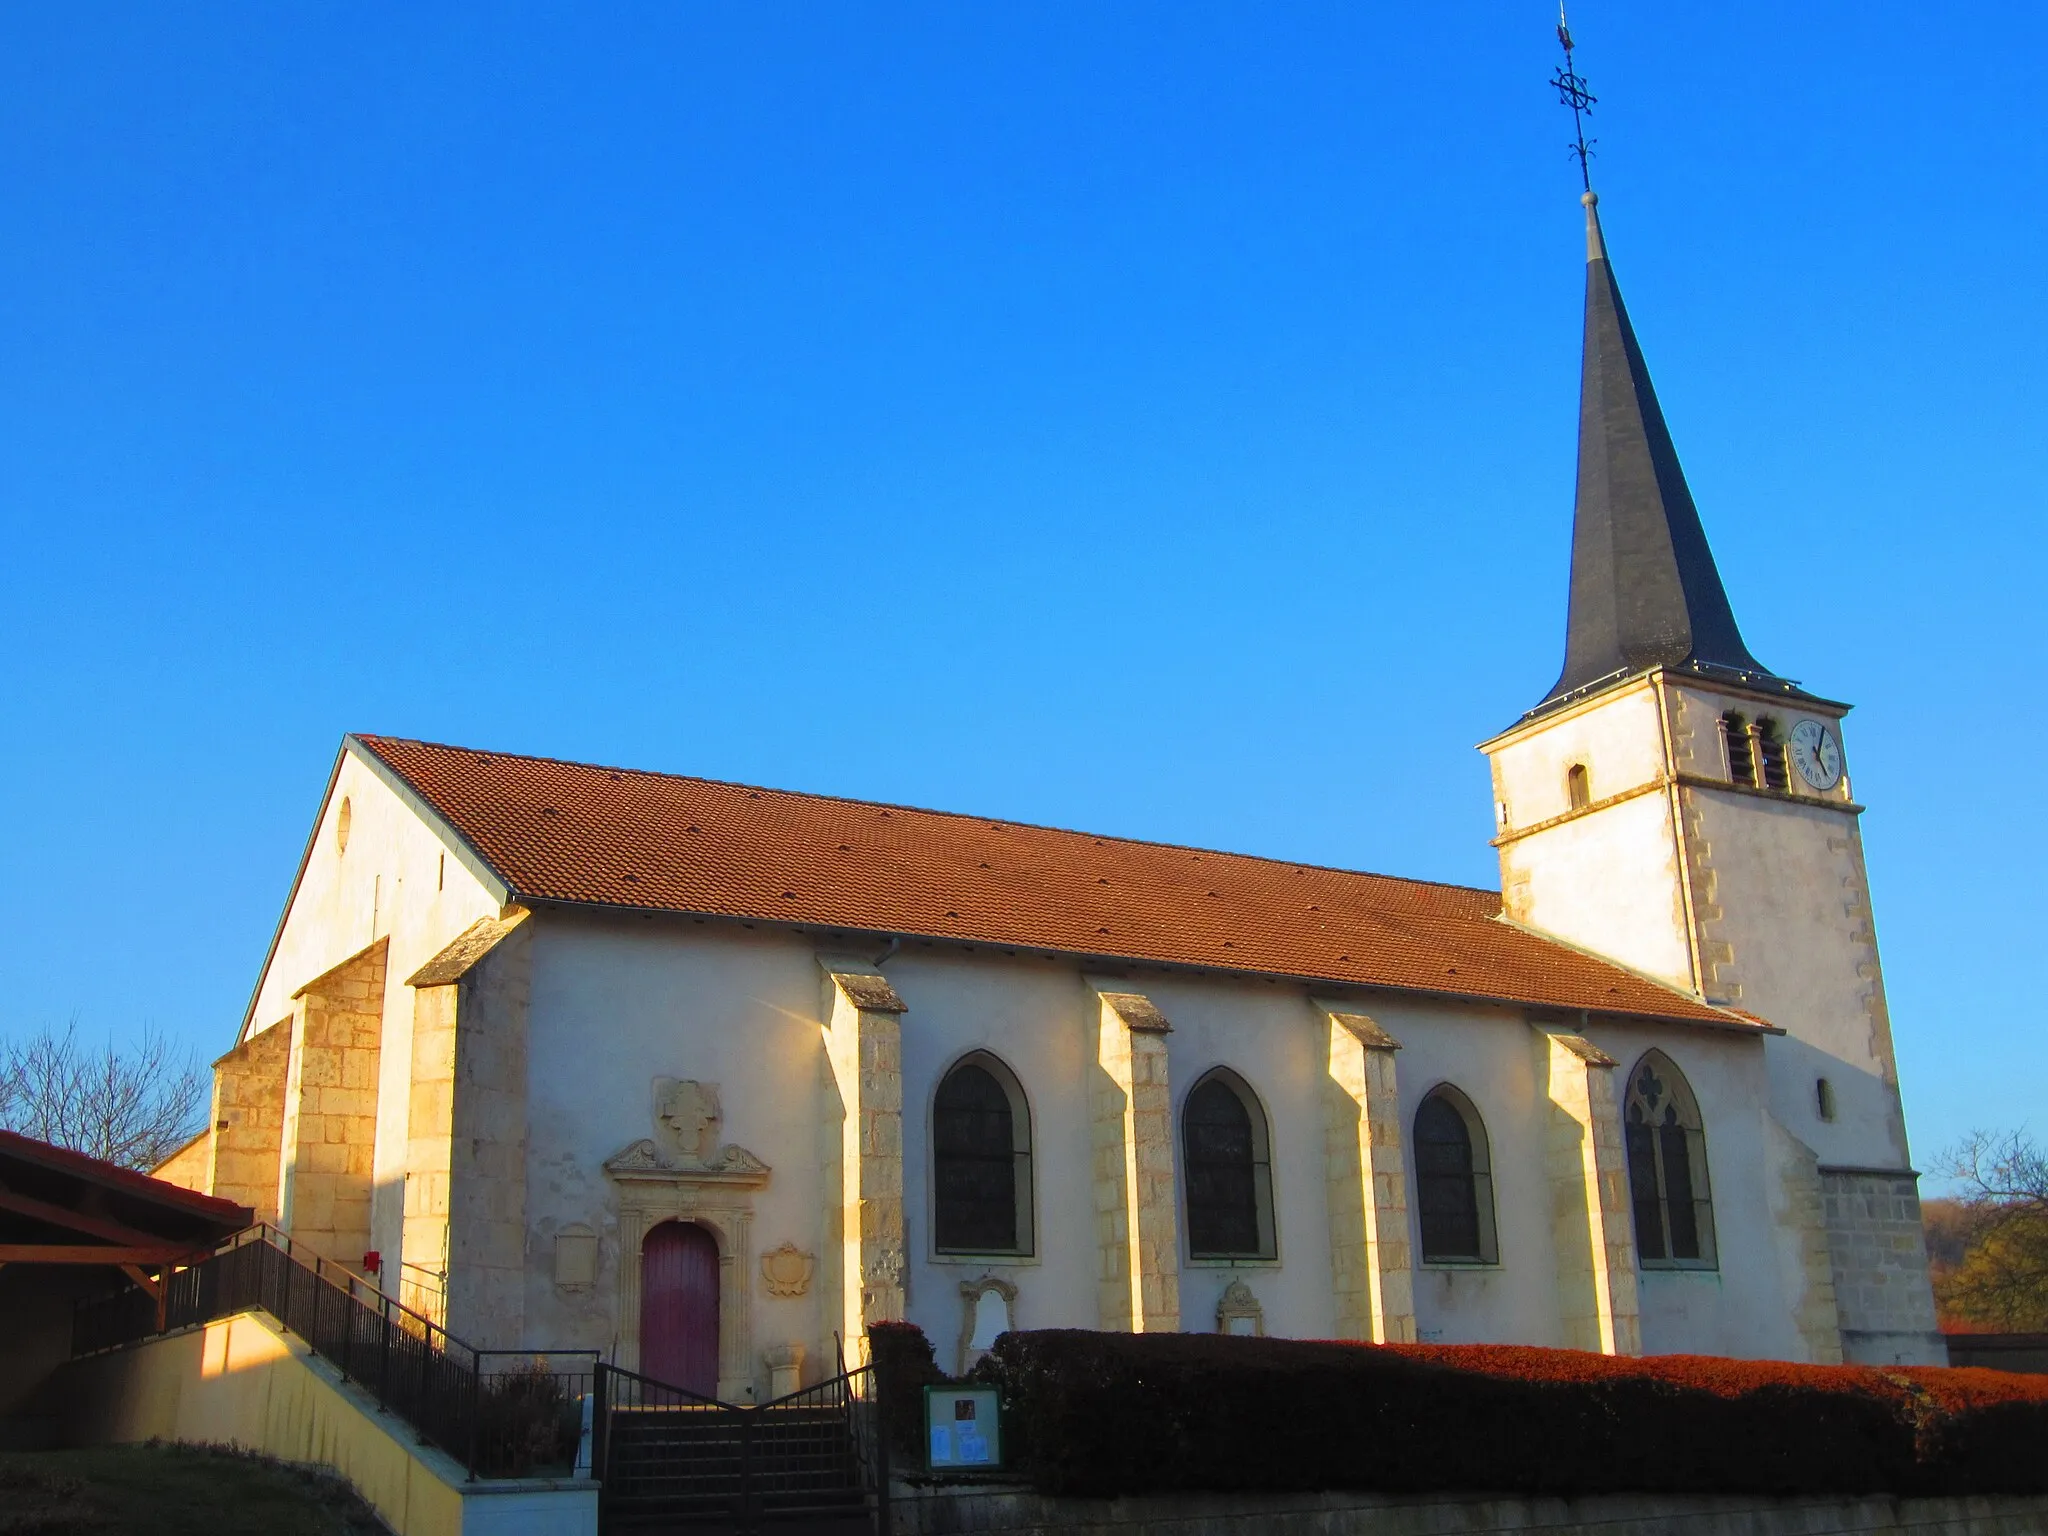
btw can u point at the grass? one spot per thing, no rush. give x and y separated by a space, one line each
174 1490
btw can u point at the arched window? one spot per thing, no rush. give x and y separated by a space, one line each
1576 788
1229 1171
1667 1168
1453 1181
981 1160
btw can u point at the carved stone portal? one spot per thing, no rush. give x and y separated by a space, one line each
687 1175
786 1271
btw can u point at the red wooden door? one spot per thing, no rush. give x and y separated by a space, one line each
679 1307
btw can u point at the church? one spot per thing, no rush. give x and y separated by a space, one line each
710 1077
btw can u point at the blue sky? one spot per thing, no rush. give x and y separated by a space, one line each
1153 418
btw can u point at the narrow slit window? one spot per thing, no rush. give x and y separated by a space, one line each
1577 789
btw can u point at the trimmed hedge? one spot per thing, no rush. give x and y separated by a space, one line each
904 1367
1104 1414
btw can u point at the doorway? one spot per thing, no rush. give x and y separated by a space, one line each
679 1307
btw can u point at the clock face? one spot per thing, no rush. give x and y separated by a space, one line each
1816 754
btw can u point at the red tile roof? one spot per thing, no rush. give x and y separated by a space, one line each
26 1150
570 832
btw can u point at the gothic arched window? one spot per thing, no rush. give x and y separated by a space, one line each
1228 1166
1453 1181
1667 1168
981 1160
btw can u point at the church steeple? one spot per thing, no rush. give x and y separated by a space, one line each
1645 592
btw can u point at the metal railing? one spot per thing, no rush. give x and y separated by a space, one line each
501 1413
668 1456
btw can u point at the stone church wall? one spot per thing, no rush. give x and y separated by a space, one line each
331 1108
1879 1251
389 879
247 1136
618 1004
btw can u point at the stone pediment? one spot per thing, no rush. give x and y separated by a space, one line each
645 1161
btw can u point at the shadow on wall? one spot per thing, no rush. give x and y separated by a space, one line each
36 1302
243 1380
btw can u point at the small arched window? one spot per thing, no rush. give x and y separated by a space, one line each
981 1160
1667 1168
1227 1158
1576 788
1453 1181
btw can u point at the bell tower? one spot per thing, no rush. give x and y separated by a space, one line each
1673 804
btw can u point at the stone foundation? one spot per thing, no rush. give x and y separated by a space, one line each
947 1511
1878 1251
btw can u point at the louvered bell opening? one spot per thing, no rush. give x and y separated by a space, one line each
1770 748
1741 755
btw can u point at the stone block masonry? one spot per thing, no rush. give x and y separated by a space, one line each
464 1236
1878 1251
1798 1207
1137 1219
1366 1178
864 1159
247 1135
1587 1166
330 1128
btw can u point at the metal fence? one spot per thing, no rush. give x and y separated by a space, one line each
669 1457
501 1413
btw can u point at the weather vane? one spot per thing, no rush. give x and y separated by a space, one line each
1572 92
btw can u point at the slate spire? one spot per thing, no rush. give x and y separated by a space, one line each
1645 592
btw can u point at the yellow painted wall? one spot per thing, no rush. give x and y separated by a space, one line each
190 1166
243 1381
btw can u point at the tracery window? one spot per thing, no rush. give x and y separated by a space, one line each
1667 1168
981 1160
1453 1181
1227 1164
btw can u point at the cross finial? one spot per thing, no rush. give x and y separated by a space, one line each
1572 92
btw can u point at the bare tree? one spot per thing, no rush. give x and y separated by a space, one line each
134 1107
2001 1279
